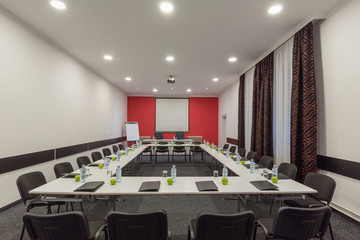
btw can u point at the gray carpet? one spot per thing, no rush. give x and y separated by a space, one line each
180 209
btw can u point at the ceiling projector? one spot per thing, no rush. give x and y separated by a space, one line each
171 80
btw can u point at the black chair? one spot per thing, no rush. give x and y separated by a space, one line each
96 156
162 149
225 147
232 149
62 226
63 168
241 152
115 149
296 223
106 152
121 147
138 226
251 155
180 135
267 162
149 151
178 149
237 226
28 182
288 169
83 160
196 149
325 187
159 135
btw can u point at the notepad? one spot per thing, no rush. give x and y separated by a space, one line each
264 185
70 175
93 165
89 186
206 186
151 186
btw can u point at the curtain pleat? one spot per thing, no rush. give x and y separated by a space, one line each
241 111
304 104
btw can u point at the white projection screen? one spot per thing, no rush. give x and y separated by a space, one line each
172 115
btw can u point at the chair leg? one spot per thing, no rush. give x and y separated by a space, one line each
58 208
331 232
255 229
72 206
271 207
185 157
81 207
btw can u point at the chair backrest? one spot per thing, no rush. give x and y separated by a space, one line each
96 156
267 161
301 223
139 226
115 149
226 146
180 135
106 152
251 155
288 169
232 149
61 226
29 181
121 147
241 152
324 185
83 160
159 135
236 226
62 168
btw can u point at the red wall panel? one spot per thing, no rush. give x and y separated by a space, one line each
203 117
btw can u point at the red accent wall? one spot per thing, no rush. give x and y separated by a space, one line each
203 117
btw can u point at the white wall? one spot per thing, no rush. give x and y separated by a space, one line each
339 86
49 100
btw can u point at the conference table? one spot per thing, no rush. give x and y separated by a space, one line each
237 185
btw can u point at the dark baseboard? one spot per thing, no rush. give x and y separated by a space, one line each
10 205
345 216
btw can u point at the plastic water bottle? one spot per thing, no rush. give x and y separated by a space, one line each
106 163
225 172
133 147
173 173
126 151
252 166
237 158
118 174
83 174
118 156
207 143
212 146
219 149
274 171
227 153
204 141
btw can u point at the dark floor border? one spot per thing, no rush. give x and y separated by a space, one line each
10 205
343 167
232 141
13 163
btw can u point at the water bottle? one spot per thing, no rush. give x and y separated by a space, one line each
219 149
118 156
274 171
252 166
225 172
207 143
118 174
237 158
126 151
212 146
133 147
227 153
204 141
106 163
83 174
173 173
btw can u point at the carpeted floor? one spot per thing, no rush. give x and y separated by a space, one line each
180 209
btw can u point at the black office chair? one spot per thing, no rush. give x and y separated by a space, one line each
225 147
237 226
178 149
232 149
241 152
115 149
121 147
96 156
196 149
106 152
287 169
159 135
147 150
83 160
296 223
267 162
28 182
325 187
138 226
251 155
63 168
162 149
63 226
180 135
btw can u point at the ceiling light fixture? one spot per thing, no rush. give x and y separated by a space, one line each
128 78
155 90
58 4
108 57
166 7
215 79
232 59
171 80
206 89
275 9
170 58
188 90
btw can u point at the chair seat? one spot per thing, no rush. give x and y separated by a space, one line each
162 150
37 202
94 226
307 202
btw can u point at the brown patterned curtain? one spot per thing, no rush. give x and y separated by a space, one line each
304 105
241 111
262 117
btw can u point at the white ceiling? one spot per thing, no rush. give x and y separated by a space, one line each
200 34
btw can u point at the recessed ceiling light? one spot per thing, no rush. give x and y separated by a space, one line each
58 4
155 90
232 59
275 9
215 79
170 58
172 88
108 57
166 7
136 88
206 89
128 79
188 90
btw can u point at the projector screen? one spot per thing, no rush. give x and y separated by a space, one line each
172 115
